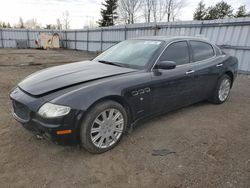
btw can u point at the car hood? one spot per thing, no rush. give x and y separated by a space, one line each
63 76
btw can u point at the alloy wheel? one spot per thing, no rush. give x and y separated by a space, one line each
224 89
107 128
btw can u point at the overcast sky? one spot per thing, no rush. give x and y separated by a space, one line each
47 11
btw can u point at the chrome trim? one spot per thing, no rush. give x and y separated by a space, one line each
219 65
134 93
147 89
191 63
190 72
17 118
164 50
141 91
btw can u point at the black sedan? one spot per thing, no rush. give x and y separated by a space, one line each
94 102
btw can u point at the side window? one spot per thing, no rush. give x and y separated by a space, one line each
201 50
218 50
177 52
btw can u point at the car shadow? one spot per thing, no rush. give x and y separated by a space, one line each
72 150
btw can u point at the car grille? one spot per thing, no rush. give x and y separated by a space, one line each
21 111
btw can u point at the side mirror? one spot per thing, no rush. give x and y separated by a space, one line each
166 65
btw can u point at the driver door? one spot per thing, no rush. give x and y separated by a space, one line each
174 88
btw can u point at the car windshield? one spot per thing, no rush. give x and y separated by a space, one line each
130 53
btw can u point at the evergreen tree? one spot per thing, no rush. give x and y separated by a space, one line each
200 11
108 13
4 25
8 25
219 11
242 12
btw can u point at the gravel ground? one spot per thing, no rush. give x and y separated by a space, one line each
210 143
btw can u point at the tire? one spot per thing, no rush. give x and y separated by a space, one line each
99 134
217 96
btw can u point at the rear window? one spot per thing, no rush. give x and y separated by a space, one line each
201 50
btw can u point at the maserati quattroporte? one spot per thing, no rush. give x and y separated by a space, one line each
94 102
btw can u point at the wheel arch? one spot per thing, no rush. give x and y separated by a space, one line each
231 75
118 99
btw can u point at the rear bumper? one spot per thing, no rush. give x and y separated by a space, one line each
26 114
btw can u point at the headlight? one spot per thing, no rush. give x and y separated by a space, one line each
49 110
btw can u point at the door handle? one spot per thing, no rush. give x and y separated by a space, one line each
190 72
219 65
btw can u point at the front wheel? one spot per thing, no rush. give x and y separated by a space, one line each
103 127
222 90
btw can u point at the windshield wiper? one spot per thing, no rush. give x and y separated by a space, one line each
109 63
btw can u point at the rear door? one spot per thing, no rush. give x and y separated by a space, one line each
173 88
207 67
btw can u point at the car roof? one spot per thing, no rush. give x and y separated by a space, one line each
171 38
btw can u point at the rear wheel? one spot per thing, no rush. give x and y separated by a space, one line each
103 127
222 90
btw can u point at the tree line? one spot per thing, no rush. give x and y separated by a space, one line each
63 23
219 11
130 11
127 11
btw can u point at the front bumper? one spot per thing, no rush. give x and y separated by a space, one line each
24 110
49 133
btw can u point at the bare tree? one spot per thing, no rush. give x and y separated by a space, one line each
90 22
50 26
20 24
159 9
58 24
173 9
128 10
32 24
148 8
66 21
29 24
169 8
